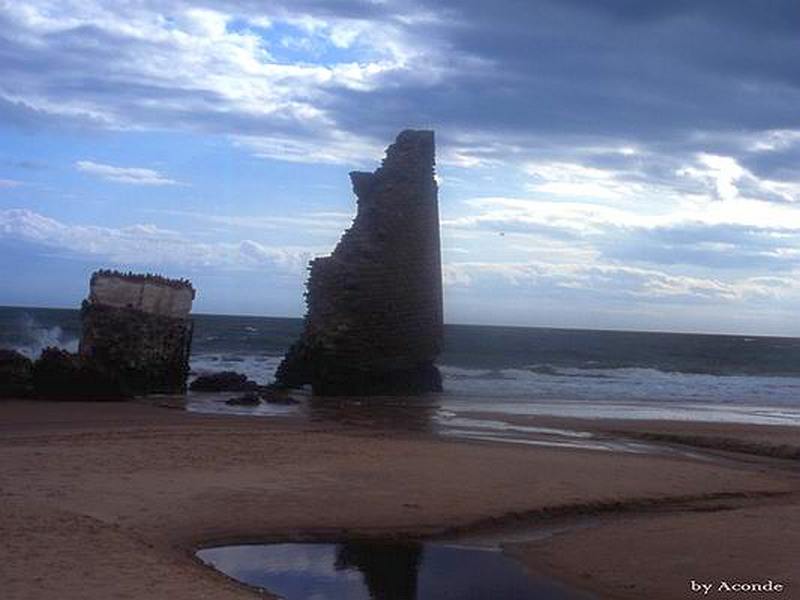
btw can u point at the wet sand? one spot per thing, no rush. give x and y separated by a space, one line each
112 500
744 441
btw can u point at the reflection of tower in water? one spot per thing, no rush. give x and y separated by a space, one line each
389 570
397 413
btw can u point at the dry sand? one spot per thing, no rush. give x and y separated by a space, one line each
110 501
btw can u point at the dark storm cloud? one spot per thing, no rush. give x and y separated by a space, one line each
505 82
528 73
779 164
636 70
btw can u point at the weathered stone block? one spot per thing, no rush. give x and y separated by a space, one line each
374 318
137 329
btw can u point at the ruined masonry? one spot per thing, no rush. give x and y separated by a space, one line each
136 329
374 306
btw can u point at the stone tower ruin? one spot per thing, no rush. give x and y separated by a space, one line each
374 306
136 329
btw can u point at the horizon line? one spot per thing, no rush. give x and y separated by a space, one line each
500 326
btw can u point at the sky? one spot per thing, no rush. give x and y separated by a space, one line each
610 164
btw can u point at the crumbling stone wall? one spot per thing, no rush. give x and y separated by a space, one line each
374 318
136 329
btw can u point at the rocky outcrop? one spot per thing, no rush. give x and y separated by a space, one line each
281 397
249 399
374 306
16 374
136 328
223 381
58 374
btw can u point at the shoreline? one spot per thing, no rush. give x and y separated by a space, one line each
114 499
436 414
777 441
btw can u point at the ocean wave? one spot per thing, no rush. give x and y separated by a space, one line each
630 383
597 369
32 338
258 367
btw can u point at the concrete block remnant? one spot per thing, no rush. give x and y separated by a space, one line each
136 328
374 306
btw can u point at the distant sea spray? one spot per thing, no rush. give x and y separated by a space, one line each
31 330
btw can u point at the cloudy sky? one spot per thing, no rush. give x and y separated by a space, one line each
602 163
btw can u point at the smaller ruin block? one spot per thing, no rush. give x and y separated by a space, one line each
136 329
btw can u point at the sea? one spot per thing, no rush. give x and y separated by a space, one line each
518 370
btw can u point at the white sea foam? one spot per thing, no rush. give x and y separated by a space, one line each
637 384
214 403
613 409
259 368
35 337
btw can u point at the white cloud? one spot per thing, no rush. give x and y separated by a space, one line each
695 235
320 222
721 172
187 68
579 181
148 245
776 139
328 146
608 280
728 180
571 199
132 175
520 215
9 183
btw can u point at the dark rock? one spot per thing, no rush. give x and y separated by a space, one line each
374 319
56 373
296 369
59 374
224 381
273 396
16 374
249 399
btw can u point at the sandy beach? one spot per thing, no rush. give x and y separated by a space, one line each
399 300
112 500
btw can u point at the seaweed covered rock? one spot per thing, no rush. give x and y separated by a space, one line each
273 395
59 374
56 373
224 381
16 374
249 399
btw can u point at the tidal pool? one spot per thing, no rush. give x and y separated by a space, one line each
383 571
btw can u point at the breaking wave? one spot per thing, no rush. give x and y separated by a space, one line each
32 337
639 384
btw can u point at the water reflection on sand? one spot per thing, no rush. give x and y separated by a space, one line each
452 416
380 570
